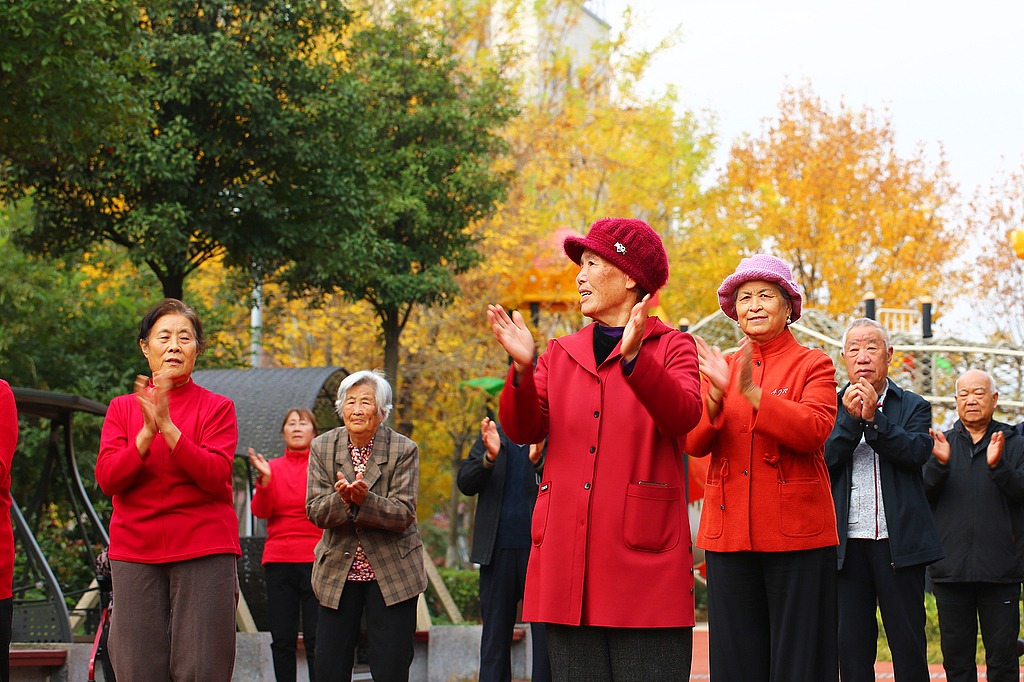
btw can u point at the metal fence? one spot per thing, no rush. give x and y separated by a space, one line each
929 367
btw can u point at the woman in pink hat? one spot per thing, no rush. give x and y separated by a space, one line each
768 524
611 567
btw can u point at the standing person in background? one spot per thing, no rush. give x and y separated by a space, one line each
280 498
611 569
768 525
886 531
975 484
8 442
504 476
166 455
362 490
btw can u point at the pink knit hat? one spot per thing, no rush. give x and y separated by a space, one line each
629 244
760 266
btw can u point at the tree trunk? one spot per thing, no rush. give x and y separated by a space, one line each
173 283
392 339
454 518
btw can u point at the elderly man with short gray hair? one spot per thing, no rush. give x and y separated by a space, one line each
975 484
886 531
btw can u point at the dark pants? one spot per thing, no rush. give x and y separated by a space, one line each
598 654
389 629
289 593
961 606
6 630
867 578
772 616
501 589
174 620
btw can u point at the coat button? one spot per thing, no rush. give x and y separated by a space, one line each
359 530
744 472
597 414
586 486
593 449
722 507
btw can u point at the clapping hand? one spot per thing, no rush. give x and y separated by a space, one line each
262 466
995 448
513 335
352 493
940 448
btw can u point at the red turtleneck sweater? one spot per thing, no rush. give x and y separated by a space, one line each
290 535
8 442
175 504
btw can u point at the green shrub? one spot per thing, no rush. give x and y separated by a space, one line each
464 586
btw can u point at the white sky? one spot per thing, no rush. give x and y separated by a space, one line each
950 74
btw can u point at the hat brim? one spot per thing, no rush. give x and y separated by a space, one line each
726 292
574 247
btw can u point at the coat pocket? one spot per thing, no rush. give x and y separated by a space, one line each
540 513
712 512
800 506
652 519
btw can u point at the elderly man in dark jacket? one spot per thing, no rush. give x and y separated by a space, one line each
975 483
886 531
503 475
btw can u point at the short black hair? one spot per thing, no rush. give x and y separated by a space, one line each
171 306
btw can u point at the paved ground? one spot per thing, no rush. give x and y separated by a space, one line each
699 666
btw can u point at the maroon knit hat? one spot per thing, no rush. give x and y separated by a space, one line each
629 244
764 267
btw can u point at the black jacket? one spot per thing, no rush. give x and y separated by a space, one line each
477 477
979 511
899 434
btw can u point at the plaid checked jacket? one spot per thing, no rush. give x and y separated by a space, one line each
385 523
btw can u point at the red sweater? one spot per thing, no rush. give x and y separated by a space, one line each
290 535
174 505
8 441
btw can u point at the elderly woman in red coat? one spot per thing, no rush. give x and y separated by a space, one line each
610 569
768 525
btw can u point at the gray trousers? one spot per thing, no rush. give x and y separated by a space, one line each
174 620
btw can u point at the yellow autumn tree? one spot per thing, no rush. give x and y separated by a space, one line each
998 275
828 191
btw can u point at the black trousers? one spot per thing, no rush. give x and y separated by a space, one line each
289 596
868 578
585 653
961 607
389 629
6 631
501 589
772 616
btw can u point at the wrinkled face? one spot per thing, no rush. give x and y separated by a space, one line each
298 432
761 310
171 348
867 356
605 290
359 411
975 399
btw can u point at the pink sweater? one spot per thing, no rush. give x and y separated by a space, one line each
8 441
174 505
290 535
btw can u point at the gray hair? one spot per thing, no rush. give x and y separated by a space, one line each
867 322
991 382
382 392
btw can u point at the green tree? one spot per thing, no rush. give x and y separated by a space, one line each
429 176
236 163
67 74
